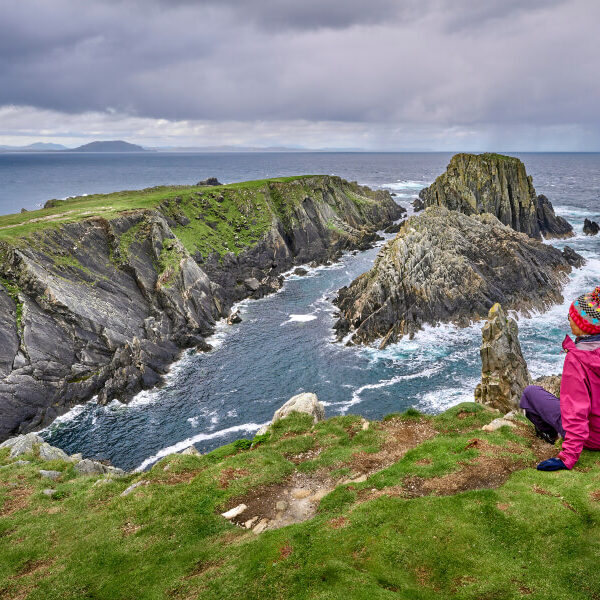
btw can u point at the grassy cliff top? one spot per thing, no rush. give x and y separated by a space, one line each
221 219
15 226
413 506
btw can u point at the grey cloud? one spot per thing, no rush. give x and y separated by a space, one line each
430 63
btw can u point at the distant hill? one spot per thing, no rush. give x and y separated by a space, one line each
112 146
36 147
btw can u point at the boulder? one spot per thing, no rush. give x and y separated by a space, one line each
497 423
590 227
300 271
49 492
504 372
93 467
303 403
54 475
445 266
395 228
418 205
48 452
210 181
191 451
234 317
496 184
22 444
252 283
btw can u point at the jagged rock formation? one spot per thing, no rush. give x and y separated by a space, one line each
504 373
445 266
590 227
104 305
418 205
551 383
496 184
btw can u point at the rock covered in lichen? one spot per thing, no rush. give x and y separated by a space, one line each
504 373
445 266
496 184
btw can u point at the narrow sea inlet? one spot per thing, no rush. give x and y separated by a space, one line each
284 346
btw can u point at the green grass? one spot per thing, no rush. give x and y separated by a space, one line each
13 291
536 536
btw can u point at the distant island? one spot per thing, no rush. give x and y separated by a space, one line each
36 147
112 146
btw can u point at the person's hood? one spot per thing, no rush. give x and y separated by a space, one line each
586 349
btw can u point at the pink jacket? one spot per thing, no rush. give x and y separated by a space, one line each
580 399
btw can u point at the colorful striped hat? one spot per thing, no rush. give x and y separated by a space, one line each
585 312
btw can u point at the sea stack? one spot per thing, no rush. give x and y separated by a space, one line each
445 266
496 184
504 373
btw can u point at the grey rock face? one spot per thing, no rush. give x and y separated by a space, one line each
307 403
54 475
92 467
48 452
590 227
496 184
444 266
210 181
22 444
504 373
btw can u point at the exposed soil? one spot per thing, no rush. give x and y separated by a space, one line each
296 499
16 499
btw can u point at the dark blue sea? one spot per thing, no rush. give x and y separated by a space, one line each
285 344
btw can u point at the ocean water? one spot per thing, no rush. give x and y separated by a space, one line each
285 343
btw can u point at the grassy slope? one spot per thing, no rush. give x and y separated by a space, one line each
222 219
536 536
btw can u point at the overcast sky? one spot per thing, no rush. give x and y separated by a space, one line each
373 74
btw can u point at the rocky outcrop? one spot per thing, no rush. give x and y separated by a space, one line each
551 383
418 205
590 227
496 184
103 306
307 403
504 373
445 266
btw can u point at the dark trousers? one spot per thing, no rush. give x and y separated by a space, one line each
543 409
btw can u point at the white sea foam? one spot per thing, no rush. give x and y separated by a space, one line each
407 184
441 399
300 319
356 394
179 446
194 421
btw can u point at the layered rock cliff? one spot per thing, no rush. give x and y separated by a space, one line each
496 184
445 266
99 295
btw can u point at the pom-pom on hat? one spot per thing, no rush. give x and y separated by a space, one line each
585 312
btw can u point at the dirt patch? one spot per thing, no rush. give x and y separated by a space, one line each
16 499
183 477
400 437
202 567
129 529
595 496
285 551
230 474
488 470
338 523
297 498
34 567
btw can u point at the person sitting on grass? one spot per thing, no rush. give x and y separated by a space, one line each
576 416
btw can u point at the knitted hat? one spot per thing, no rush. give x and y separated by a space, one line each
585 312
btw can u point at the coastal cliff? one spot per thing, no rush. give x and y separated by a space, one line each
98 295
496 184
445 266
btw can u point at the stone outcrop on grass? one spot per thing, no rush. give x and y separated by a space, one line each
445 266
307 403
504 373
496 184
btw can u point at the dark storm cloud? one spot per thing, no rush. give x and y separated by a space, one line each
431 63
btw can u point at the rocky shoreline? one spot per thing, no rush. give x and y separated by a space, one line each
103 306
